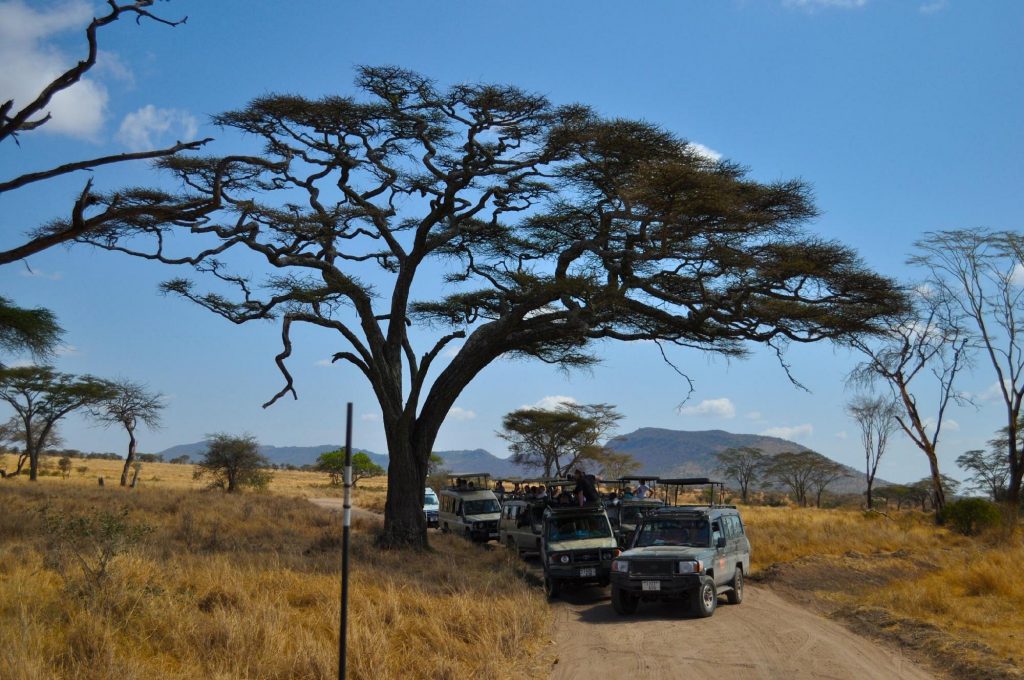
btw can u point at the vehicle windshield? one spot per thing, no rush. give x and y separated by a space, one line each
430 499
481 507
574 528
691 532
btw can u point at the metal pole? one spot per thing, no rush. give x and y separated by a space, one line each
346 528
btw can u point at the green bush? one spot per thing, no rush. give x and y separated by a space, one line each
970 516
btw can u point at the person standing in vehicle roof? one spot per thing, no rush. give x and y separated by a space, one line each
586 493
643 491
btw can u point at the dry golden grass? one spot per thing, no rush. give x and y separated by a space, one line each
959 600
248 587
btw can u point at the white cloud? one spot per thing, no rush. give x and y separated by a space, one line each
933 7
66 351
451 351
841 434
705 151
324 362
827 4
793 433
150 127
552 403
951 425
29 64
754 415
719 408
993 392
1017 275
370 417
458 413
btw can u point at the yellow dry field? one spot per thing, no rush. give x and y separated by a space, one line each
206 585
955 599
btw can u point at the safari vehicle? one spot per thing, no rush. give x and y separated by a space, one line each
469 508
430 507
522 517
577 547
626 512
685 552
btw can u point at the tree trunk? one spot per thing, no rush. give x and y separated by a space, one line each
404 523
131 458
33 465
938 494
870 483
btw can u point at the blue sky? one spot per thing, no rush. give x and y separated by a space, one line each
905 117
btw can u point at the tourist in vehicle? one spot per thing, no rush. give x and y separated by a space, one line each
643 491
585 491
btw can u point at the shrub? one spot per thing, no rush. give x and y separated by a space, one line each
970 516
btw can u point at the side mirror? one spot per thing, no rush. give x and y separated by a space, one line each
720 543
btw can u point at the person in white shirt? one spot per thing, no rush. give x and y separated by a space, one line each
642 491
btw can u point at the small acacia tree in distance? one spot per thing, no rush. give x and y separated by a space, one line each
557 440
232 463
483 215
333 463
128 405
744 465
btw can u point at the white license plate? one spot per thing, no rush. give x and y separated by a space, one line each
588 571
651 585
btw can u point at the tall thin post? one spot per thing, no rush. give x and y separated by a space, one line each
346 528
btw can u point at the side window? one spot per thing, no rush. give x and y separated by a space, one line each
716 531
730 526
739 526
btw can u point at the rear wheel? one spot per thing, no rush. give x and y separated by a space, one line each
735 596
444 529
704 599
624 602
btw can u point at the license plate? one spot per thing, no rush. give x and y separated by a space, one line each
651 585
588 572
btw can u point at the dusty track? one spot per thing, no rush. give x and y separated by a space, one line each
765 637
337 505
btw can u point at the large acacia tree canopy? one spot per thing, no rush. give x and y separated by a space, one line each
553 227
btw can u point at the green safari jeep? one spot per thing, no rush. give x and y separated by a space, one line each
577 547
691 553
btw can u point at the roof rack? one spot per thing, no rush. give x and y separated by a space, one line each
675 485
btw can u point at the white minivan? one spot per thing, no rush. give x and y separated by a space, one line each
430 507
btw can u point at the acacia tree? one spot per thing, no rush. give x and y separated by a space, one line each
18 118
925 343
795 471
989 472
513 226
233 462
559 439
128 405
35 330
40 397
333 463
979 270
744 464
876 417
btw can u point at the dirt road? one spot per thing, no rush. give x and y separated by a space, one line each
337 505
765 637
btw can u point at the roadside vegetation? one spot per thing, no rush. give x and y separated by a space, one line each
956 600
167 581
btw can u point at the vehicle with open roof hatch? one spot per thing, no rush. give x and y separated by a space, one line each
468 507
577 547
684 552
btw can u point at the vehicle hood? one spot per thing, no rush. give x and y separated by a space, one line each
431 507
669 552
582 544
488 517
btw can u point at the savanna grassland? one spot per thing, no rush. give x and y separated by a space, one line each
956 600
170 581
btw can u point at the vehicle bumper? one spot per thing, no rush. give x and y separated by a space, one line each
574 573
668 586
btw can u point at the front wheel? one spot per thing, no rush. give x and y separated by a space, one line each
623 602
704 599
735 596
551 587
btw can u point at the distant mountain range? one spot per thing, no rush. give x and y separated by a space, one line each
660 452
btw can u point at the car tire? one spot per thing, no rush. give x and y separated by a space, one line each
552 586
704 598
624 602
444 529
735 596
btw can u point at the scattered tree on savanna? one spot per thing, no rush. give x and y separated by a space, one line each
40 396
990 470
19 118
979 271
617 464
128 405
925 342
333 463
555 441
64 465
744 464
233 462
803 473
517 228
183 459
876 417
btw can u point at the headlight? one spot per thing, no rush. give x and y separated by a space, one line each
564 559
620 566
689 567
